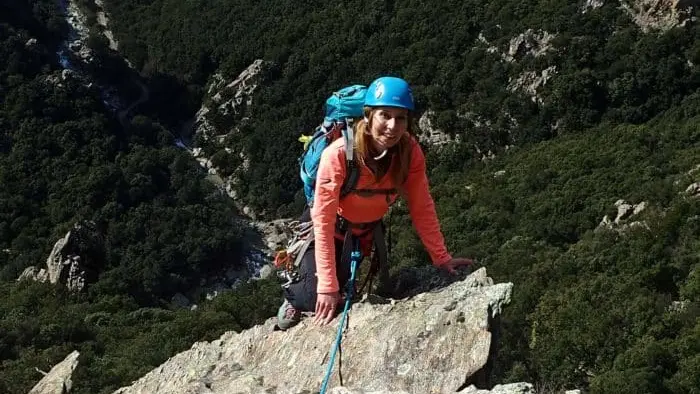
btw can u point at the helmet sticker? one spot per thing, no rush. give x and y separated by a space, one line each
379 91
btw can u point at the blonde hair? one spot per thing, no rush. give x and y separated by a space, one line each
400 153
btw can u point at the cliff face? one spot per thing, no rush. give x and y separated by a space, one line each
435 342
660 15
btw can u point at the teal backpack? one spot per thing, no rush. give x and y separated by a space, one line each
342 107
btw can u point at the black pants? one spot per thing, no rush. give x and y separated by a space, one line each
302 294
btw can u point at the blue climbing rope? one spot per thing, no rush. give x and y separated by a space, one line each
354 260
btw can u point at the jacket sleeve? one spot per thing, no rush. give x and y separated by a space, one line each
422 209
329 180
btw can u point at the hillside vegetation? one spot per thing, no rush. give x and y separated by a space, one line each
456 54
65 159
610 309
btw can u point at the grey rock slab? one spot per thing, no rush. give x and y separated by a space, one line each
58 380
430 343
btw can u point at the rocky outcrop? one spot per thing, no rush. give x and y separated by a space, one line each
534 43
431 135
660 15
224 111
79 33
227 102
692 176
103 21
439 341
72 259
531 43
625 211
490 48
74 54
58 380
514 388
60 79
276 233
530 81
653 15
591 5
693 190
688 184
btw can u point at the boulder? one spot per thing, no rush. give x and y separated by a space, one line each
58 380
72 259
435 342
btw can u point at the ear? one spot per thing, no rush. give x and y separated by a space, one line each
367 120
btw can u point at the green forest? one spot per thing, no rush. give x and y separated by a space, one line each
605 309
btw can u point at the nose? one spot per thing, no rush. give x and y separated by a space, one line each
391 123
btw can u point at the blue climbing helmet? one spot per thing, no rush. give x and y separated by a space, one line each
389 92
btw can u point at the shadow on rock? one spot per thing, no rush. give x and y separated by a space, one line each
411 281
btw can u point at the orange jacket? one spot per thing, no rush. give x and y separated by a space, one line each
363 209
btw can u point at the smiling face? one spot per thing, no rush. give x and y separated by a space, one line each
387 126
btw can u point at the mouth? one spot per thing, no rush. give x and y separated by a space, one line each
389 140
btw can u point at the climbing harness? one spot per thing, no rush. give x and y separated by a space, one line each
288 260
349 294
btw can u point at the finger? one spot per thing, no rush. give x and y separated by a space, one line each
330 316
318 312
323 315
318 320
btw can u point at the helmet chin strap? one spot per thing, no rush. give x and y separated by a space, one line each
381 154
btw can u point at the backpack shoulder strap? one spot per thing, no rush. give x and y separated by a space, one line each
352 173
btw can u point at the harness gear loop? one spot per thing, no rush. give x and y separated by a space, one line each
288 259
